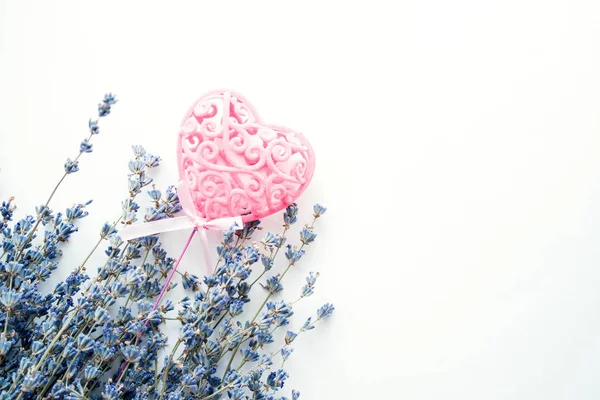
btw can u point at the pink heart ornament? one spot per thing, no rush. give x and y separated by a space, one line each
236 165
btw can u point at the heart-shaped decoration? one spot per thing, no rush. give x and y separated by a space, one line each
236 165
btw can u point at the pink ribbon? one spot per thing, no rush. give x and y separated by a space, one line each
191 219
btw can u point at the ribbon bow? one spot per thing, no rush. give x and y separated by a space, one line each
191 219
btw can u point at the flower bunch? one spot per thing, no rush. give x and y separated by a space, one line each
99 337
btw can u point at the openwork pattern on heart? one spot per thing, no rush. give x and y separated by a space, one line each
234 164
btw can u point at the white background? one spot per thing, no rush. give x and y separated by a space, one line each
457 150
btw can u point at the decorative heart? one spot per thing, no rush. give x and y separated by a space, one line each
236 165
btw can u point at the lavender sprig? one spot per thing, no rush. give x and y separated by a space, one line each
71 166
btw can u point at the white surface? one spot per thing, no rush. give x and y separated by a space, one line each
457 147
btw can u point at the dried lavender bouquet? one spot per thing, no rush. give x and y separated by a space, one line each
96 336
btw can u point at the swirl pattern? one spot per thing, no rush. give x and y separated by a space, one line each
234 164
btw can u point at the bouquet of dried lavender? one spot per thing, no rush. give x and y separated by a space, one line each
98 336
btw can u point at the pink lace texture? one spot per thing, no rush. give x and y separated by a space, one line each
236 165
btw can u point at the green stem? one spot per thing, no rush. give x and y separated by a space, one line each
92 252
7 309
234 353
81 329
166 373
220 319
98 244
145 257
217 392
65 377
48 385
89 332
37 223
131 291
97 380
258 278
155 370
66 324
245 360
255 367
37 366
264 302
14 385
53 342
273 256
254 319
128 298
